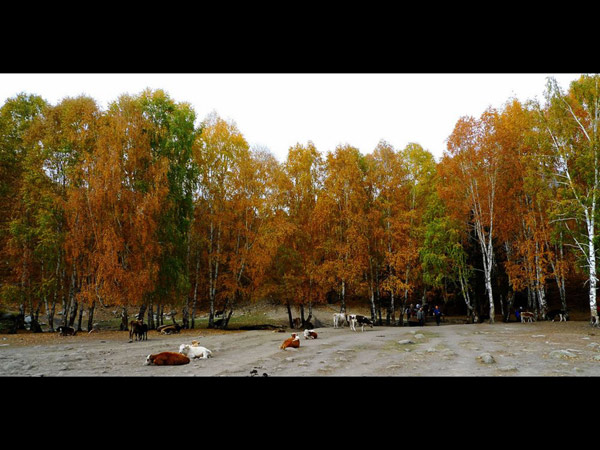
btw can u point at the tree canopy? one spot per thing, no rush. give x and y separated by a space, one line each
142 205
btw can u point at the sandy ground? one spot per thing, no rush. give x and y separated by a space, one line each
541 349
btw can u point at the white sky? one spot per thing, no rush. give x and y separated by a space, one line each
277 111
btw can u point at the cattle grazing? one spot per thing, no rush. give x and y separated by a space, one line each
293 342
297 322
527 316
560 313
169 329
360 320
139 329
310 334
66 331
339 319
194 351
167 359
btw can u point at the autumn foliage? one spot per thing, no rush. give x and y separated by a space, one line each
141 206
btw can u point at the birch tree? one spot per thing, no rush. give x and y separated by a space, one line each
472 168
569 122
341 212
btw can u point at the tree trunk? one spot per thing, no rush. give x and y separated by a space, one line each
195 298
91 309
185 318
150 316
289 311
50 314
343 297
393 308
141 312
73 312
80 318
372 301
488 288
592 268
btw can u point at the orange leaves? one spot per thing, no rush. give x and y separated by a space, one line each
115 210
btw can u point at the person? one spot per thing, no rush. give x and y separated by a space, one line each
518 314
409 312
421 317
437 313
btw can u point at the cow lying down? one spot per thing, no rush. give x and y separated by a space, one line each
194 351
310 334
291 342
167 359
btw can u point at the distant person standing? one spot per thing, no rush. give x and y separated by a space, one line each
421 317
437 313
518 314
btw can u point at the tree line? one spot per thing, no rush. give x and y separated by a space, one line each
141 205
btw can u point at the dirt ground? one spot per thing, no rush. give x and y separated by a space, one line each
541 349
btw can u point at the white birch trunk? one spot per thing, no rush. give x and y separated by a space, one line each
592 264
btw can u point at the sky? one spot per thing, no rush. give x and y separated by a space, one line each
276 111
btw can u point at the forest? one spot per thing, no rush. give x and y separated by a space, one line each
144 205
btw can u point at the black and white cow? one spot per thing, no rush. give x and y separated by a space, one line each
360 320
561 314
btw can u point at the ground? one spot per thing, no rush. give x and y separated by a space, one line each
541 349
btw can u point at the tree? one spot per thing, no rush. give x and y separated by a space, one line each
17 116
472 169
340 211
298 257
221 148
114 207
172 137
570 123
443 255
390 251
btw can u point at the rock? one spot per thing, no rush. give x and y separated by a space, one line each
419 336
564 354
486 358
405 341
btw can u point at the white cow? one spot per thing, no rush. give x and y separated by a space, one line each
194 351
339 319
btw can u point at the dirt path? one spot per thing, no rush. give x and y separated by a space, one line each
512 349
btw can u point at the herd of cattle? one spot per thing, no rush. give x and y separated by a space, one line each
139 330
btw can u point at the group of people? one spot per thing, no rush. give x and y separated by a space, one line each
420 311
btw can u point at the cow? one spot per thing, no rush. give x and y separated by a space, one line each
560 313
293 342
527 316
338 320
169 329
66 331
139 329
360 320
310 334
167 359
194 351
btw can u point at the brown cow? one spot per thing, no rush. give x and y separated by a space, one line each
167 359
293 342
